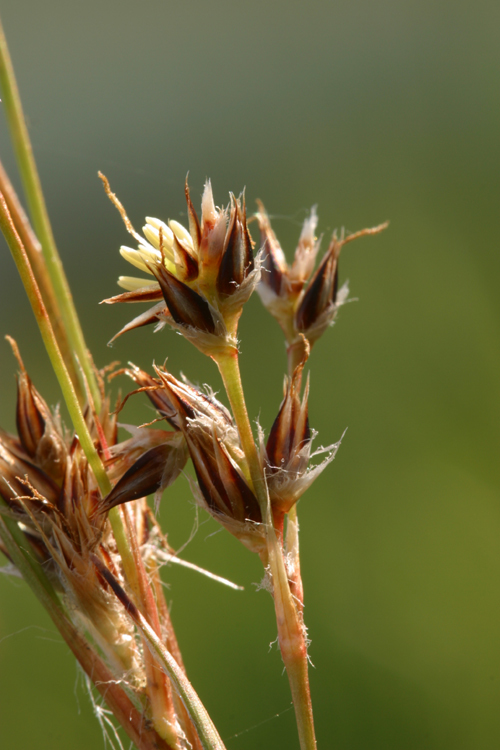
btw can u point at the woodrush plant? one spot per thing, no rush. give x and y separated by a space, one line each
74 518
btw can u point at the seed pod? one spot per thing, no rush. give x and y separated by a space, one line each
152 472
16 469
290 431
237 260
274 265
186 306
214 447
318 302
298 306
29 419
223 487
288 450
31 410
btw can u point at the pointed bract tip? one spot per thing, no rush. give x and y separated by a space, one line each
208 210
307 234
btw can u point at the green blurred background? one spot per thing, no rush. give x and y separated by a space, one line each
375 111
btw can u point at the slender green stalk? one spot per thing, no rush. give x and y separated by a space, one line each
208 734
65 382
38 209
51 345
295 353
229 369
288 617
34 252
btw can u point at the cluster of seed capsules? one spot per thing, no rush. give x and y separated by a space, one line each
198 279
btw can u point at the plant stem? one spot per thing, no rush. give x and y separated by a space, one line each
209 737
34 252
229 369
36 202
27 277
293 552
295 355
118 701
158 687
288 617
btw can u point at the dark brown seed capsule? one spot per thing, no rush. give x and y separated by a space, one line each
185 305
224 489
14 470
30 421
320 293
145 476
290 431
237 260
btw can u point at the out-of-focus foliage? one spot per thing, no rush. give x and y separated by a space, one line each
374 111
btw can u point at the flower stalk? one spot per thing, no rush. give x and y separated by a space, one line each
57 360
291 631
34 252
66 384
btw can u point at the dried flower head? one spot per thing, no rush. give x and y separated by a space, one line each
304 303
287 453
223 487
50 490
202 275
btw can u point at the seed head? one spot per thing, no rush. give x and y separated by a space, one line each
212 440
51 492
203 274
155 469
287 453
304 303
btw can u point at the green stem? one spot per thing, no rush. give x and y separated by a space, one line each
293 552
229 369
288 617
65 382
59 289
209 737
34 252
36 202
295 355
